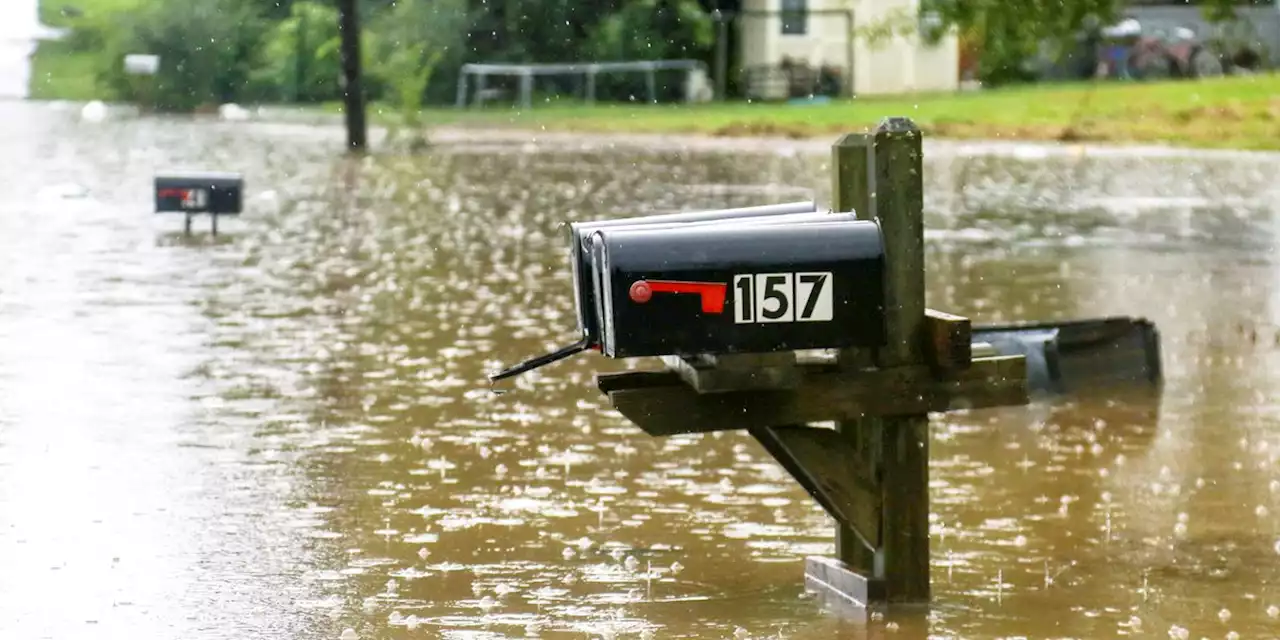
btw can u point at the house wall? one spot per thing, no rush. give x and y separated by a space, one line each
898 65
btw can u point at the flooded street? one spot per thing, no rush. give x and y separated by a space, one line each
286 432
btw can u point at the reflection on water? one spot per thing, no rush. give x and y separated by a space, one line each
288 433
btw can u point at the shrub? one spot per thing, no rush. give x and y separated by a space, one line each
206 51
301 56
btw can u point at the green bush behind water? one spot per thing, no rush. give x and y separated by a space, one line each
218 51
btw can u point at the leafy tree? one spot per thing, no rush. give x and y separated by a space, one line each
1010 33
653 30
415 37
301 59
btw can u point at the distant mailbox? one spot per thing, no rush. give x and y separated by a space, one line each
725 289
193 193
141 64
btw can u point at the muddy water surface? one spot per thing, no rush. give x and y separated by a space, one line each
286 432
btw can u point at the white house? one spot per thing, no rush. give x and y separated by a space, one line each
818 32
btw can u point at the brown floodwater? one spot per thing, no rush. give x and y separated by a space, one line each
286 432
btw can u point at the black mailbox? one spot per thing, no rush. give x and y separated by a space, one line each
580 238
751 280
733 288
192 193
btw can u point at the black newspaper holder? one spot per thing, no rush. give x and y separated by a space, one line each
748 281
191 194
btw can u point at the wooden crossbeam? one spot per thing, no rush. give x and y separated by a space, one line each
662 404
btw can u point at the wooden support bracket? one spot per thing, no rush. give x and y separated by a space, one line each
823 462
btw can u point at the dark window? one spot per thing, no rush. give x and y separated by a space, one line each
795 17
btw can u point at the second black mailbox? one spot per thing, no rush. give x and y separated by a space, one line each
727 289
192 193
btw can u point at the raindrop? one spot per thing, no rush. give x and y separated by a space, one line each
1261 511
676 567
1180 529
647 634
395 618
488 603
631 564
1231 635
411 622
740 634
1224 615
1020 541
891 627
348 634
567 553
1183 517
1273 611
1178 633
423 553
1277 547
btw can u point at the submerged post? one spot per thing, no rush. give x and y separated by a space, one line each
898 192
879 175
352 86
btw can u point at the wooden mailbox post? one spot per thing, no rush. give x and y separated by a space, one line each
871 472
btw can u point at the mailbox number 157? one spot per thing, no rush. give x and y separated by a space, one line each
782 297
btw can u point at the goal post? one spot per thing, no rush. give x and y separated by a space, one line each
469 94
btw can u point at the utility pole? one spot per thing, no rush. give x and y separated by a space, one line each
352 87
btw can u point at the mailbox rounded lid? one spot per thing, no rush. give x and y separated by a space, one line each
717 246
580 231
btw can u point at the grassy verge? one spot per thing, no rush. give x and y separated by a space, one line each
60 73
58 70
1237 112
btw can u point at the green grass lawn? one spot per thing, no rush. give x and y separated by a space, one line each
58 72
1237 112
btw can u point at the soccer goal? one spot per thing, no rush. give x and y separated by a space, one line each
696 86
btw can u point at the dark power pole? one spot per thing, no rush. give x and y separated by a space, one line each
352 87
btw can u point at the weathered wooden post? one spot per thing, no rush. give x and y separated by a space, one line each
789 319
880 176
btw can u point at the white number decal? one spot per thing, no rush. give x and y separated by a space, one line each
782 297
196 199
